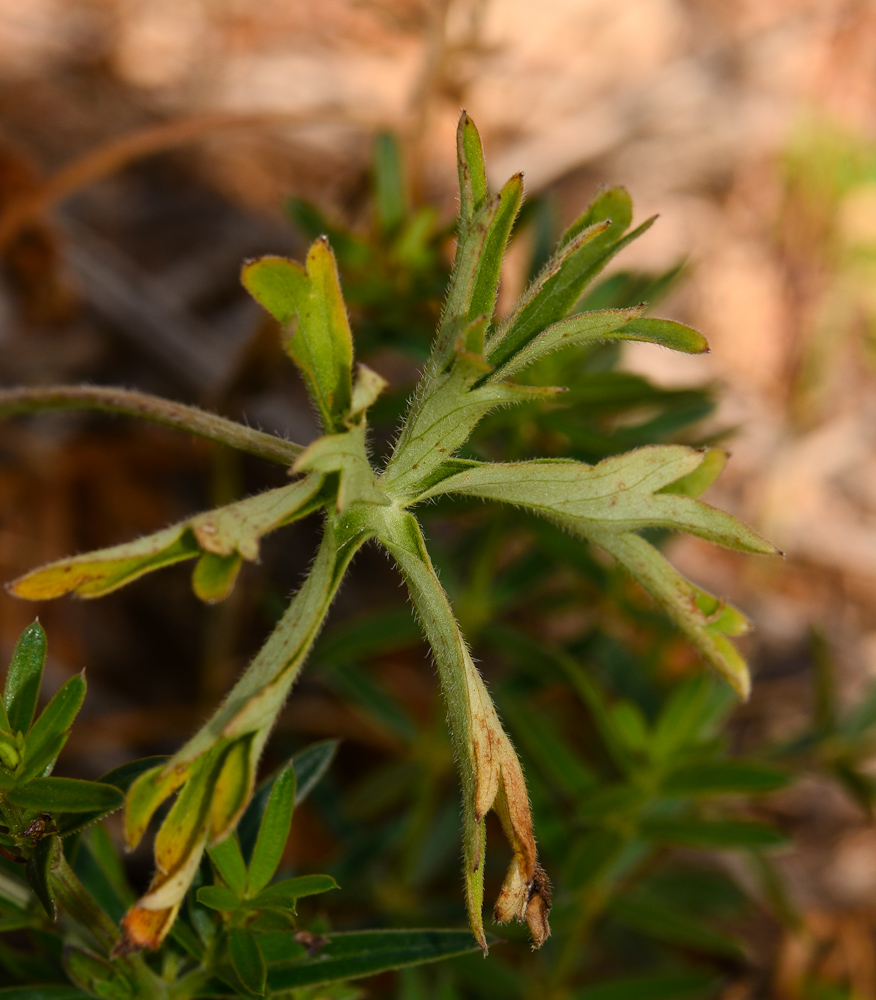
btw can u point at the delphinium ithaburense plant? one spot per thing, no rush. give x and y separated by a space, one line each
470 373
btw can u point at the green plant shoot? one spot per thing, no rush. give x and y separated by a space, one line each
469 374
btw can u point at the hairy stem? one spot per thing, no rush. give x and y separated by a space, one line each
76 901
162 411
256 699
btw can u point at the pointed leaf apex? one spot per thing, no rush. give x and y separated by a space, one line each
473 189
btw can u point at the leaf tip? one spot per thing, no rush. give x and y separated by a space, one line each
481 939
143 929
34 633
12 587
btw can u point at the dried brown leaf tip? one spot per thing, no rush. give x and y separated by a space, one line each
144 929
530 901
499 785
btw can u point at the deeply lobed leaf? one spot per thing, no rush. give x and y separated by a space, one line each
608 502
319 341
618 494
588 245
706 620
213 775
345 455
221 537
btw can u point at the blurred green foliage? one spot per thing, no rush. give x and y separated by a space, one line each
827 228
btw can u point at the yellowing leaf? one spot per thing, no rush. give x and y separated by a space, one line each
278 284
319 341
179 844
228 531
367 387
234 785
102 572
145 795
143 928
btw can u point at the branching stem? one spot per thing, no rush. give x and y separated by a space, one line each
76 901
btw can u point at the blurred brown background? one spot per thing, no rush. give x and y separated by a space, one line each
750 126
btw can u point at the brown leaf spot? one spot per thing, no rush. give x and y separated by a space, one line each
538 907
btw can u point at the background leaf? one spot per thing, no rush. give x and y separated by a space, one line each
287 892
38 870
725 777
246 958
65 795
659 986
273 832
24 677
361 953
713 834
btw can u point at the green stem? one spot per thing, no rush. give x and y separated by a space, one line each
256 699
14 402
80 906
75 900
190 985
